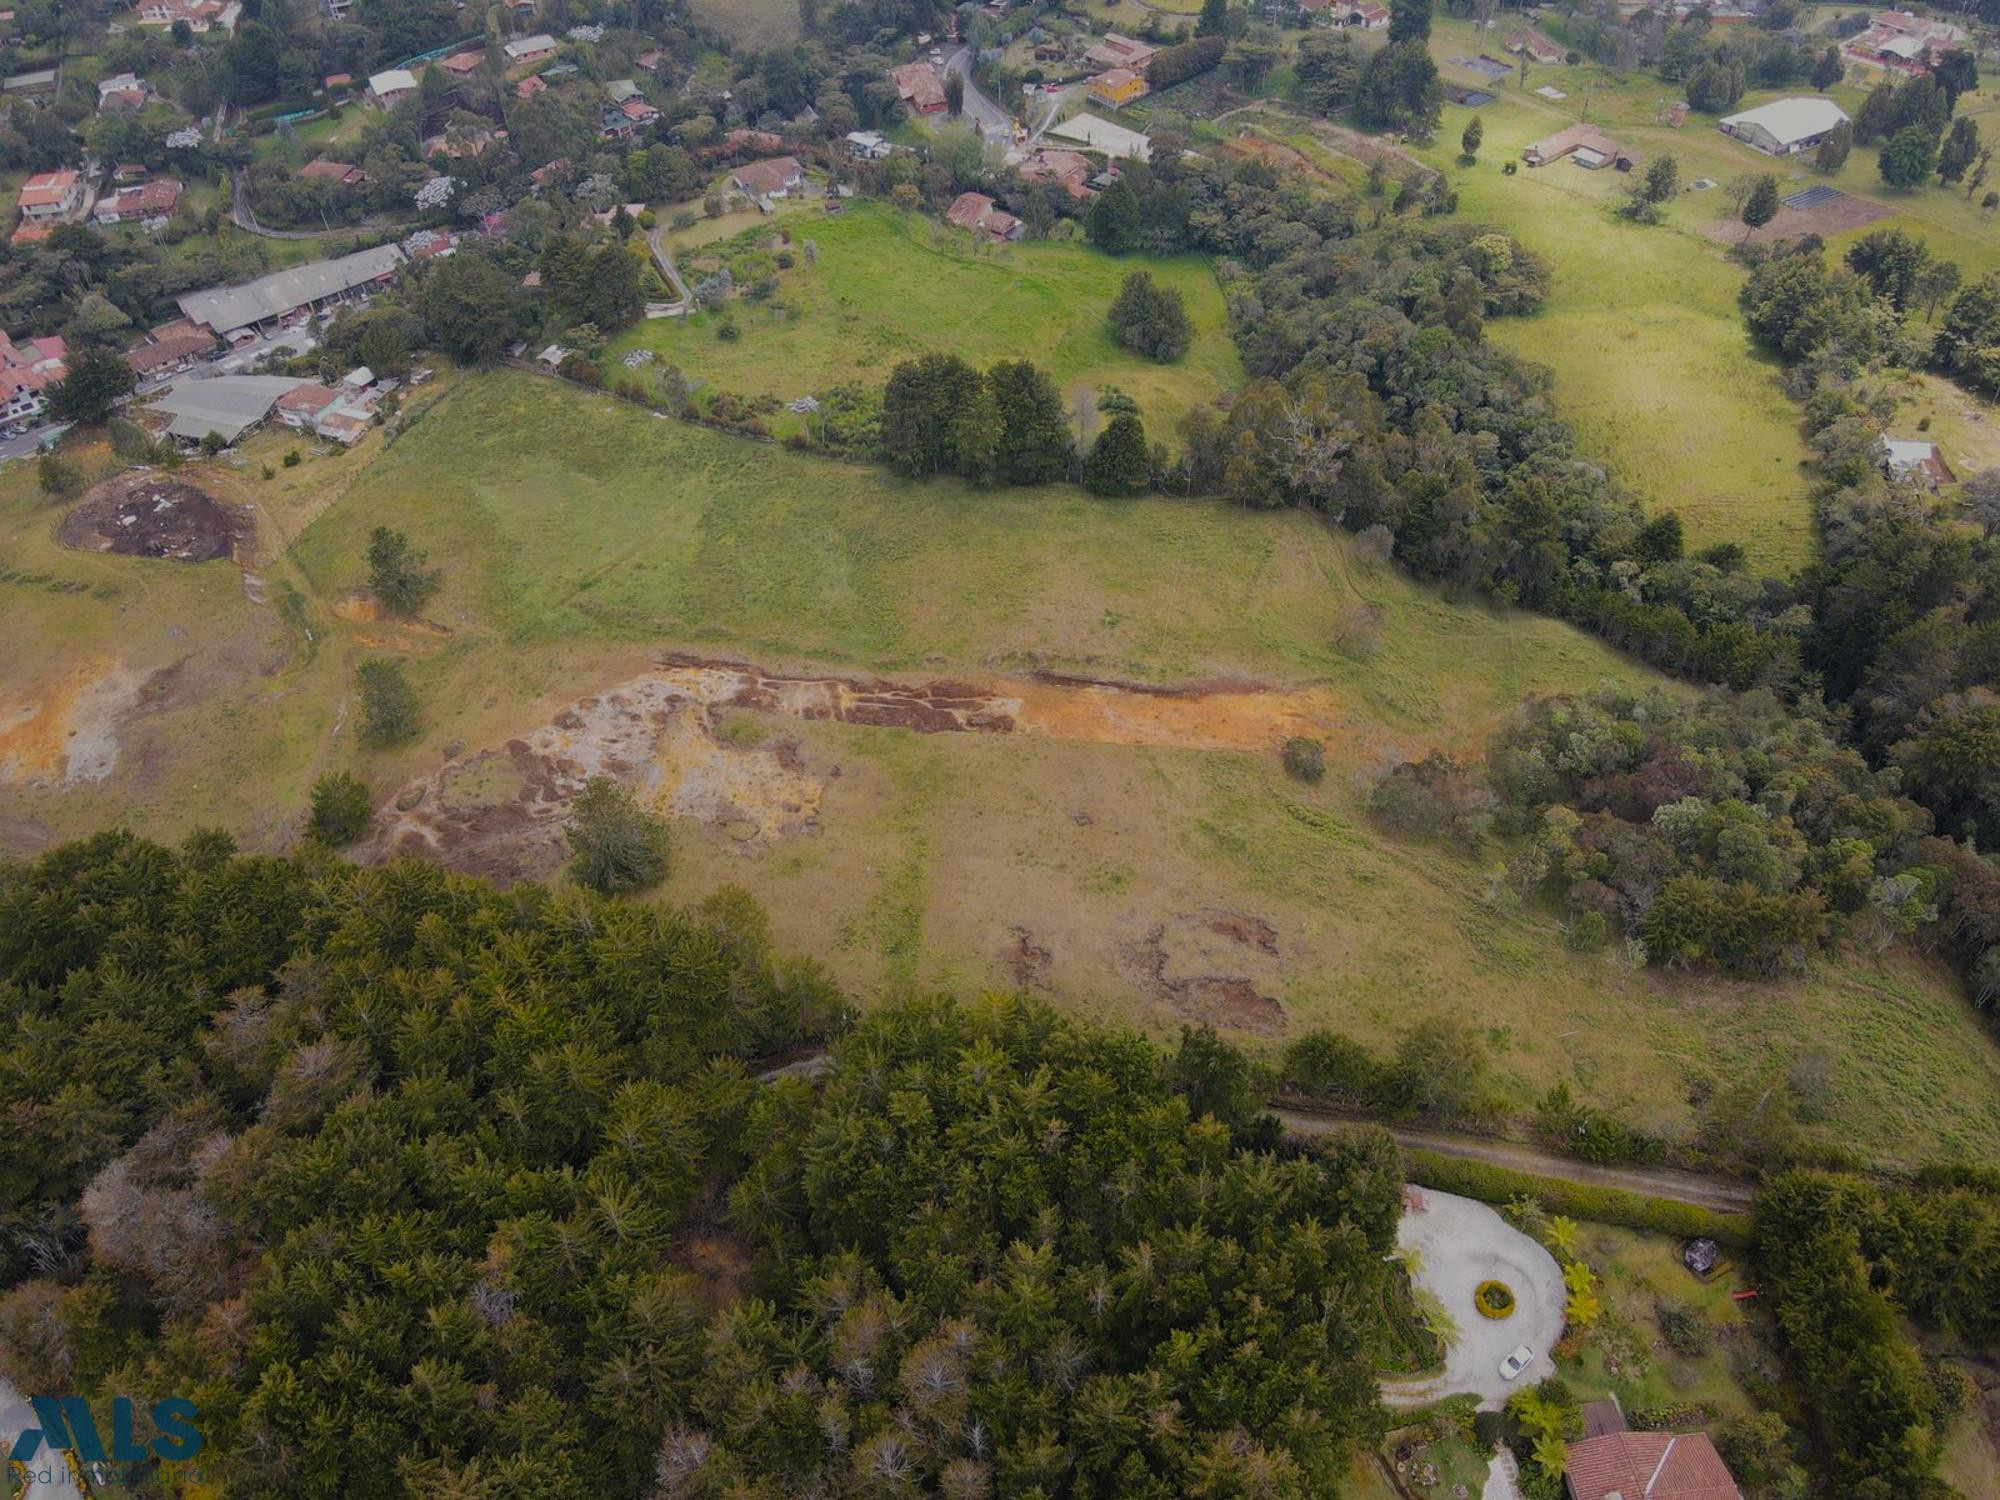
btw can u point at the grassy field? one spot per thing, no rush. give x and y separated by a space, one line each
1652 362
580 537
884 286
753 24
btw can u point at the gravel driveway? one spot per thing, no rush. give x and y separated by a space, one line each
1460 1243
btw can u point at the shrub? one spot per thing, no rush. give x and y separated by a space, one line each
388 706
292 459
1305 757
1434 798
342 810
615 844
1684 1328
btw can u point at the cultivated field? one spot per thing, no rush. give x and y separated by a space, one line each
882 286
1139 855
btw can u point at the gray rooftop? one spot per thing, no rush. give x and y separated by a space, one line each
228 404
228 308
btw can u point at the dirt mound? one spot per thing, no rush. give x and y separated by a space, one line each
146 514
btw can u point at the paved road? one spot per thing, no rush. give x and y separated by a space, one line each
1657 1182
27 444
656 242
979 108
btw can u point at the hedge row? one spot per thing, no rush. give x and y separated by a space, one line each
1606 1205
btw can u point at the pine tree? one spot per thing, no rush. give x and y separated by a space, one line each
1214 18
1760 207
1475 132
1119 463
1113 224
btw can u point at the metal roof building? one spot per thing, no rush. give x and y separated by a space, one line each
227 404
229 308
1785 126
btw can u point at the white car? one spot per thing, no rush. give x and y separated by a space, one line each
1516 1362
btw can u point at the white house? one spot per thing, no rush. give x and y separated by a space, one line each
392 87
1785 127
867 145
530 49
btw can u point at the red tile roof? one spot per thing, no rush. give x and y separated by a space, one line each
1653 1465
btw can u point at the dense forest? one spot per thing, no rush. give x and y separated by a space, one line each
422 1188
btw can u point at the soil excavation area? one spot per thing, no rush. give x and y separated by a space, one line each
501 812
63 731
147 514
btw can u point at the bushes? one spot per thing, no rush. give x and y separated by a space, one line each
1608 1205
1494 1299
1434 798
1304 757
1172 65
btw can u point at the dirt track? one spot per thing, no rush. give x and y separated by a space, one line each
1655 1182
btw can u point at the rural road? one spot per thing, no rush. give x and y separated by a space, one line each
1657 1182
993 121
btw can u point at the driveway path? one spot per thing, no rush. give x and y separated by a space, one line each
49 1477
1656 1182
1459 1243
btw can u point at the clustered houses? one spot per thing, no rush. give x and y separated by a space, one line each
1069 170
342 415
170 348
127 205
26 371
919 86
976 213
1903 42
227 406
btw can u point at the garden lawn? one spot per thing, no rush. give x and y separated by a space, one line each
886 286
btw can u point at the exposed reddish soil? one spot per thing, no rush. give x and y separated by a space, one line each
63 730
1828 218
146 514
501 812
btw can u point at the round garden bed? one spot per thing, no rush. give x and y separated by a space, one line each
1494 1299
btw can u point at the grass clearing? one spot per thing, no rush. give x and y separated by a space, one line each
753 24
886 286
580 537
1654 366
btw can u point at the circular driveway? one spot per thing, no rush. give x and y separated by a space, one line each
1457 1244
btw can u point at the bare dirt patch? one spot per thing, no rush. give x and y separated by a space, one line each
1025 960
147 514
63 730
502 811
1212 967
1835 216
